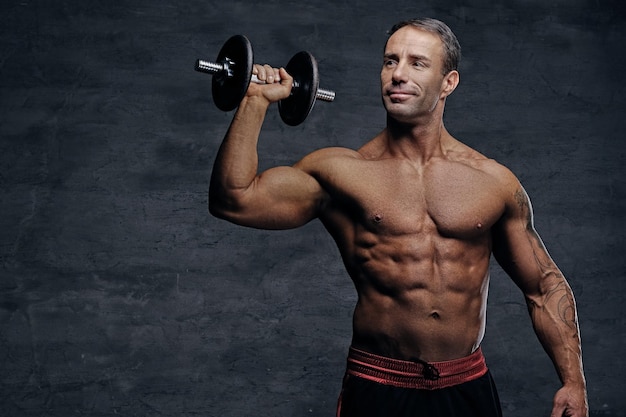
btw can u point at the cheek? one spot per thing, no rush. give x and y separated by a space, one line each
435 87
384 77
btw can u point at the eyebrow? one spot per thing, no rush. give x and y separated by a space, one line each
414 57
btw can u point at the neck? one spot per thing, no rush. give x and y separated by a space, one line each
419 141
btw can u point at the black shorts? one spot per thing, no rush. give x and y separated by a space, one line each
375 386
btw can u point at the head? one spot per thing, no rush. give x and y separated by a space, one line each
451 46
419 70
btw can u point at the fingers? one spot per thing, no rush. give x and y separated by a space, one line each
570 403
557 411
273 84
266 73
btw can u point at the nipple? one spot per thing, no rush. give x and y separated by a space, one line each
479 225
378 218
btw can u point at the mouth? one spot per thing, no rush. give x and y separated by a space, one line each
399 95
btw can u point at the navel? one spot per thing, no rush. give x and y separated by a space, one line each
435 315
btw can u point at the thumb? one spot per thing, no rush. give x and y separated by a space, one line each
285 78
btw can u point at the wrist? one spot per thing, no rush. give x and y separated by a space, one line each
576 383
255 101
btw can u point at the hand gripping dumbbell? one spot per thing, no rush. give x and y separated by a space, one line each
232 74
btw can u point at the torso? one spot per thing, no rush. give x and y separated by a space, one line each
415 240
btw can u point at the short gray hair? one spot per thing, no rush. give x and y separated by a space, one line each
451 46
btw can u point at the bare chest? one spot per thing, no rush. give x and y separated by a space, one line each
454 199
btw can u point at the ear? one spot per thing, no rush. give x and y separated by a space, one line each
449 83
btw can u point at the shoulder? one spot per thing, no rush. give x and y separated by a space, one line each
516 201
325 158
500 172
331 152
466 155
510 192
510 188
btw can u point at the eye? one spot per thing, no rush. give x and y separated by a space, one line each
389 63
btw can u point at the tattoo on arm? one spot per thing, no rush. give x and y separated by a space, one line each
565 303
524 205
560 291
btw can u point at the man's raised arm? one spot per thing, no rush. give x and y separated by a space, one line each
279 198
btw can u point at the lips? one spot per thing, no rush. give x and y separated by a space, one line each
399 95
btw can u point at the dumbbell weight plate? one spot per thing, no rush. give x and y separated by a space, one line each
229 91
303 68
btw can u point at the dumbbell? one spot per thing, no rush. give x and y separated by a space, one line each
232 74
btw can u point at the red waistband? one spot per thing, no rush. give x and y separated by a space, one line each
417 375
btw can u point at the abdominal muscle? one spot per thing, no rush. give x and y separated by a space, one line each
419 298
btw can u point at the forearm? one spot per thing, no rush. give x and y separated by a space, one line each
555 321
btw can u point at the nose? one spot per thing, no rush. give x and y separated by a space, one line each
399 74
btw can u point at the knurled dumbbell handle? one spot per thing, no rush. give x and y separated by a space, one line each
215 68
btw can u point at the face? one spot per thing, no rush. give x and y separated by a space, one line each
413 85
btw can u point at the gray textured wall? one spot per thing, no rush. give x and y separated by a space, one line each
120 295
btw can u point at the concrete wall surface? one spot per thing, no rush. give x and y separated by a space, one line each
121 295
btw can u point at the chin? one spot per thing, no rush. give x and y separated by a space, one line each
399 116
